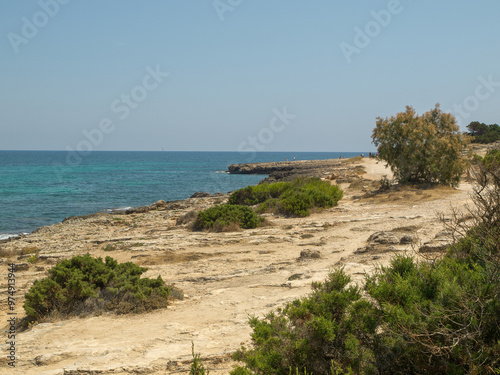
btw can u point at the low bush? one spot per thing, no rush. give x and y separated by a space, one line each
86 285
440 317
252 195
226 217
293 198
307 335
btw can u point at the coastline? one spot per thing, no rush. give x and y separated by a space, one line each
225 276
38 188
278 171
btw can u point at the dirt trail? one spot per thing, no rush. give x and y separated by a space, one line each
226 277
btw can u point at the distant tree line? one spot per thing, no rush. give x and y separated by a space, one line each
483 133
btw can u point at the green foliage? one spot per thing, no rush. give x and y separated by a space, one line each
197 367
293 198
252 195
75 286
483 133
421 149
440 317
226 217
314 334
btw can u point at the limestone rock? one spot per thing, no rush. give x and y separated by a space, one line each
158 205
309 254
407 239
383 238
200 194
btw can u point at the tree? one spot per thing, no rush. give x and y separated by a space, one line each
483 133
421 149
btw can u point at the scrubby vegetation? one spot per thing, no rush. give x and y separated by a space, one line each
421 149
86 285
308 334
418 316
226 217
293 198
422 318
482 133
197 367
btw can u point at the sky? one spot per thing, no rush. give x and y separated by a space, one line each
238 75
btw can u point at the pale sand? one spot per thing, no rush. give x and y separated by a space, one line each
226 277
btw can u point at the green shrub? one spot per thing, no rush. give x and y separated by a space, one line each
293 198
226 217
84 284
197 367
295 203
440 317
322 333
252 195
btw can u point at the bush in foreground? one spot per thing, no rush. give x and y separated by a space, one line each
226 217
293 198
420 318
86 285
328 328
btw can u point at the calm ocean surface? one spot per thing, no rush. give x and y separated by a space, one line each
43 187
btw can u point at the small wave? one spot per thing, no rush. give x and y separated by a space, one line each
118 209
6 236
221 172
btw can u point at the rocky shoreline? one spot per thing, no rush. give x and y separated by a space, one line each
226 277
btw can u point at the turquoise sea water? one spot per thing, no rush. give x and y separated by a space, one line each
39 188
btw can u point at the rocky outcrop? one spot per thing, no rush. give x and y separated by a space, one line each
282 166
332 169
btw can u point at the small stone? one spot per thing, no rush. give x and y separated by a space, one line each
309 254
383 238
22 267
406 239
296 276
200 194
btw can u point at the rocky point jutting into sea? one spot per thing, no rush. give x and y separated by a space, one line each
226 277
333 169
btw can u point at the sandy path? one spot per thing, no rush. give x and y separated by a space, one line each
233 276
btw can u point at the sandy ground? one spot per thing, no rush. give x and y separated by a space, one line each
226 277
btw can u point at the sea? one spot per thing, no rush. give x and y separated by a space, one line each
39 188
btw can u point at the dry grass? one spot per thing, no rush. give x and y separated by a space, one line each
410 194
24 252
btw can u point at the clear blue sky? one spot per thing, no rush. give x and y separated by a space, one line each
69 67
